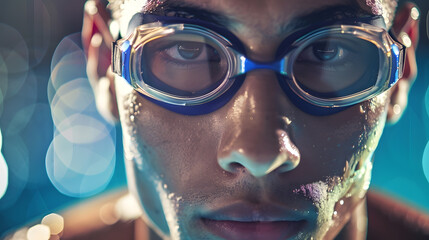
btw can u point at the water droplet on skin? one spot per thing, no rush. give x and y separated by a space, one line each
136 107
170 196
341 202
362 110
165 186
132 118
335 214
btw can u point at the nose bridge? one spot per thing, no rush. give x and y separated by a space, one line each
256 138
246 65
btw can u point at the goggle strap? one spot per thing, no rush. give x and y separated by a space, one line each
398 63
121 52
116 59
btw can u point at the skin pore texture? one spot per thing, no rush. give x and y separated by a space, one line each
259 149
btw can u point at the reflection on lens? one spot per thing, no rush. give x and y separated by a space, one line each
336 65
185 64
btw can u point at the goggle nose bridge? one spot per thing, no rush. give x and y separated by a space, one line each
245 65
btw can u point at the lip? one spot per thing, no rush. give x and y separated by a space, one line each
254 222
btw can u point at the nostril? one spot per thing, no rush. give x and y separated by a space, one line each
231 166
235 166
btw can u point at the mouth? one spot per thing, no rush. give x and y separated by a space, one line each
253 222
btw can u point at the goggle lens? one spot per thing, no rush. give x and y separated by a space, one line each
189 65
185 64
336 65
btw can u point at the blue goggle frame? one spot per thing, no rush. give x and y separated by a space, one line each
124 51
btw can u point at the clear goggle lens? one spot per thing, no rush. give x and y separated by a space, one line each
187 64
336 65
184 64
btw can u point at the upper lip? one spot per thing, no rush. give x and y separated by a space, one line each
248 212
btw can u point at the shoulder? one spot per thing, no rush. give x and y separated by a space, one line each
390 219
112 216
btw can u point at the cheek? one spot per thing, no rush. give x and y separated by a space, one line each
336 159
326 143
170 157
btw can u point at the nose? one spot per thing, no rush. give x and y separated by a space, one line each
256 137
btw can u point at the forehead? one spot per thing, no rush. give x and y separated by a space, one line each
255 13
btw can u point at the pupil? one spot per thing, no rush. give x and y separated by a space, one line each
325 51
189 50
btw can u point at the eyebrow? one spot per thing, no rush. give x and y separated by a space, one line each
180 8
326 14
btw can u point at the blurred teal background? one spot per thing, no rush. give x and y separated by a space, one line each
30 32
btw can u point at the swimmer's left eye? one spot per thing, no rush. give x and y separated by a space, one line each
325 52
185 63
336 65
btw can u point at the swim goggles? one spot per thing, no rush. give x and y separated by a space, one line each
195 69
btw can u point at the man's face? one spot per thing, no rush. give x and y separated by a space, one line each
218 175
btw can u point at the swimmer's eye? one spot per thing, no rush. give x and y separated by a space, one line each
184 63
336 65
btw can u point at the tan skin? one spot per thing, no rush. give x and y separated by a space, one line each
259 149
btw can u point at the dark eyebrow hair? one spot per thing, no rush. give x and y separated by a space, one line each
180 8
327 14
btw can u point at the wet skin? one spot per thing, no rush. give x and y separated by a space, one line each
258 151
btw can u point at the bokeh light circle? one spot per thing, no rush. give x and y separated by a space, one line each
41 27
16 154
84 129
89 159
39 232
13 49
70 67
68 63
88 180
81 157
14 61
20 108
71 98
425 162
427 93
4 172
4 79
55 223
